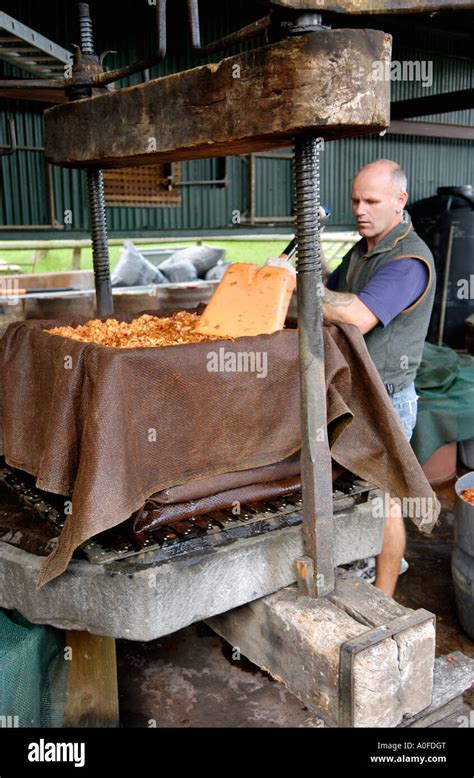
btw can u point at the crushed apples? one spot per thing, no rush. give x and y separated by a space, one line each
468 495
142 332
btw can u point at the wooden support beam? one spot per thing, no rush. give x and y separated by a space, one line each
258 100
305 642
24 93
430 129
92 692
461 100
375 6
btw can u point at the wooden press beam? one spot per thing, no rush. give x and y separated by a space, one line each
375 6
258 100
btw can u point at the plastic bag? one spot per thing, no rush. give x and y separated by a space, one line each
178 270
202 257
133 269
217 272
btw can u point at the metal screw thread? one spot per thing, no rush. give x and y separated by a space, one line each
307 204
85 28
100 245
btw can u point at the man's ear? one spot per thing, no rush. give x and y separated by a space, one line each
402 199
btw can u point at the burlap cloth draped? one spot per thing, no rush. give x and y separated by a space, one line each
109 427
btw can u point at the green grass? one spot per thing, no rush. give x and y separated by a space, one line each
57 260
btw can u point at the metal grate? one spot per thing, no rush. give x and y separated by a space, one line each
45 514
27 49
145 186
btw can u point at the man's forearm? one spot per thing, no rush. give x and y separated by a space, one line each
347 307
338 306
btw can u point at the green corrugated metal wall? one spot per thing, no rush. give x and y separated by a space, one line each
127 27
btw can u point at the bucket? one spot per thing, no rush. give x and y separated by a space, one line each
462 563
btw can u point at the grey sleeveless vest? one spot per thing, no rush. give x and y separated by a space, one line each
396 349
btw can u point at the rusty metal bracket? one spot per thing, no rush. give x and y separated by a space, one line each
143 64
248 32
351 648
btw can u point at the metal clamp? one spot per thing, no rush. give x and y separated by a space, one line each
351 648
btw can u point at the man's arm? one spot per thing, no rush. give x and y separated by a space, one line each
392 289
347 307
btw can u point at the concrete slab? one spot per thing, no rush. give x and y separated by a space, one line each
141 600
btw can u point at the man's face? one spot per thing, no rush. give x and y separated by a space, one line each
375 203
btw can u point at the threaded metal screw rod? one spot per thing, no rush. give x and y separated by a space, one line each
100 244
316 569
95 197
85 29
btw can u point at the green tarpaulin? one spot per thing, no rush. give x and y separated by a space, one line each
445 385
33 673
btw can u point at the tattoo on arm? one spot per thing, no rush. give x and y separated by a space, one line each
337 299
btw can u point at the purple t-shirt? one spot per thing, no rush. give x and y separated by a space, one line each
394 287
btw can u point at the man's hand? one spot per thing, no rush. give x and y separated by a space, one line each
348 308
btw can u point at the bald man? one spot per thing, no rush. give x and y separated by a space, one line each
385 286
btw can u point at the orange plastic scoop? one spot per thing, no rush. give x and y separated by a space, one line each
250 300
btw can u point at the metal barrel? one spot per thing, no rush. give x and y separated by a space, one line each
462 563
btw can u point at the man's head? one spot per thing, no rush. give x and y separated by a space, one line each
378 198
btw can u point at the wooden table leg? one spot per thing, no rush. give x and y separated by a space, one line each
92 691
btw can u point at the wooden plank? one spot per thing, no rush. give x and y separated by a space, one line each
375 6
446 102
92 691
46 95
372 609
298 640
415 646
430 129
453 675
461 718
15 245
455 707
258 100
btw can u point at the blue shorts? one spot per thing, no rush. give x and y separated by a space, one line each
405 404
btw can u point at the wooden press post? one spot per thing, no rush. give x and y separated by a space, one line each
92 691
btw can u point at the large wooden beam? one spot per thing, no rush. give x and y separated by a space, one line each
431 129
45 95
375 6
461 100
304 643
257 100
